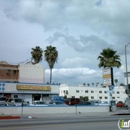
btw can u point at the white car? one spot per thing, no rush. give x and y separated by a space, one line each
38 103
16 102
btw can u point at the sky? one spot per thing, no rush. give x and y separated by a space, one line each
79 29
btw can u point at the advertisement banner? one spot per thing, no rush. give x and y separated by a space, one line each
107 76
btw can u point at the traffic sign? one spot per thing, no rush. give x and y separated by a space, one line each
111 88
2 86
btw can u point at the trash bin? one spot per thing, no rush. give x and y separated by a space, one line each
112 106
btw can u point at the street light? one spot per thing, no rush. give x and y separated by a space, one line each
126 68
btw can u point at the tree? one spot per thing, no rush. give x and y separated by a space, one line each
88 84
121 84
51 56
109 58
85 98
116 81
84 84
36 54
93 84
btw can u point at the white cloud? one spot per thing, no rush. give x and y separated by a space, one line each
75 62
75 75
84 43
79 29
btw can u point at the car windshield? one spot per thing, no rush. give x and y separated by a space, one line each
18 100
2 99
40 103
58 103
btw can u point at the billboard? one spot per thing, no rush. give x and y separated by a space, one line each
107 76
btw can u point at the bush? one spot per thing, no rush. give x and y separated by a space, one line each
85 98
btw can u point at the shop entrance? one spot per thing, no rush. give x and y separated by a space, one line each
36 97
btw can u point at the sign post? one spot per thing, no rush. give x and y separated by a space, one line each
2 87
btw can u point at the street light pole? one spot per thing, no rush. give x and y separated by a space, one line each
126 68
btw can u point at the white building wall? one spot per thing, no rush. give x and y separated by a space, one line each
94 93
11 88
30 73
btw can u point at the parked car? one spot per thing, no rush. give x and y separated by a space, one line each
2 101
72 101
120 104
38 103
16 102
127 102
57 103
94 102
86 103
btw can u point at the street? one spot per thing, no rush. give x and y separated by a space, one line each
108 122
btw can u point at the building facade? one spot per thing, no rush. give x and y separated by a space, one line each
29 91
93 93
29 73
8 72
25 81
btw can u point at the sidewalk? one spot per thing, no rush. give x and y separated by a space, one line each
58 115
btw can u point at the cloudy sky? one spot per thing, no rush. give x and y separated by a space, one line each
80 29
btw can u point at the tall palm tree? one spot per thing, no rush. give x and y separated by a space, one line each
88 84
36 54
109 58
51 56
84 84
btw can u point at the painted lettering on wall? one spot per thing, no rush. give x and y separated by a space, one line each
29 87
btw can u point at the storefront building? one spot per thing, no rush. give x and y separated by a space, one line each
25 81
29 91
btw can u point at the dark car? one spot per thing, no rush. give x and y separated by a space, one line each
120 104
57 103
72 101
2 101
84 103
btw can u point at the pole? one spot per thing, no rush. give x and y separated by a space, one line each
126 68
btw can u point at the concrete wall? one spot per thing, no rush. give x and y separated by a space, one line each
31 73
49 110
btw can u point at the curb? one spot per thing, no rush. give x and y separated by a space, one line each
9 117
122 114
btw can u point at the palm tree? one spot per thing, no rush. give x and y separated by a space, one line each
116 81
121 84
88 84
36 54
84 84
109 58
51 56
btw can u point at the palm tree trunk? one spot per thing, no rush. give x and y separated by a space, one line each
50 75
112 77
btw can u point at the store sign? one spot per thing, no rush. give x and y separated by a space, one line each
106 76
28 87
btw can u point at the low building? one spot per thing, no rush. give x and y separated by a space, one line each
93 93
29 91
25 81
8 72
24 72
